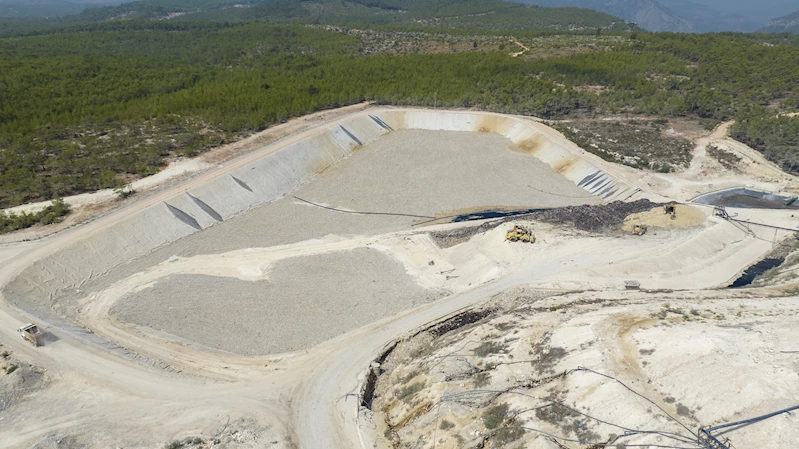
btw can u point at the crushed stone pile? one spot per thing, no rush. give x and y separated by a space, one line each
599 218
593 218
17 383
452 237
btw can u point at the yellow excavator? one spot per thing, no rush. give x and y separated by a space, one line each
671 209
520 234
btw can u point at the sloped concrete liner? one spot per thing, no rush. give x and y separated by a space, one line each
471 141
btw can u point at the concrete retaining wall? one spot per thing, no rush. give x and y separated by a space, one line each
277 175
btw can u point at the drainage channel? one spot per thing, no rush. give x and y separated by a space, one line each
482 215
437 329
754 202
743 197
757 270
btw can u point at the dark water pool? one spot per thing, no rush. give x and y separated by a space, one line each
753 202
482 215
755 271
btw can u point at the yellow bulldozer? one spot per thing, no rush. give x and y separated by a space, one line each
639 229
520 234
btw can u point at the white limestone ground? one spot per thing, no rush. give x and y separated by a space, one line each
701 361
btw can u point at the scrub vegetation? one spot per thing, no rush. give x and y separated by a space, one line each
51 214
96 100
637 143
776 136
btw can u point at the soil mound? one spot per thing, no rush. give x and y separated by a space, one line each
594 218
686 217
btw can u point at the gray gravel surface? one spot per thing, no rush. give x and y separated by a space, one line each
59 442
417 172
306 300
431 173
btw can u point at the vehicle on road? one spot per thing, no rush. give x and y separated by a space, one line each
32 333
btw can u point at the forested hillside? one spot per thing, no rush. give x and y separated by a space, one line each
40 9
776 136
485 14
89 106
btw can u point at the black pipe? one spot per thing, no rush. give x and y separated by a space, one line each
754 420
762 224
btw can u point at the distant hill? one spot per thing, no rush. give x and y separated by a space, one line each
447 13
649 14
47 8
158 9
708 20
789 23
43 8
485 14
663 15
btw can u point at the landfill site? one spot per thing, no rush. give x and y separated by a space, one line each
412 278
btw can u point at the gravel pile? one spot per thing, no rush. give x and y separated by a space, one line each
598 218
593 218
17 383
306 300
451 237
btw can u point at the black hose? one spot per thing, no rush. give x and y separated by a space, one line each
361 212
642 396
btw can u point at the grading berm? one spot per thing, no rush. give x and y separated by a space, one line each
401 278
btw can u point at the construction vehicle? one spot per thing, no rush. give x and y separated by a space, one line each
520 234
32 333
639 229
632 285
721 211
671 209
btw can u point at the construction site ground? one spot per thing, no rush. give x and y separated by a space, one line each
524 363
266 329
